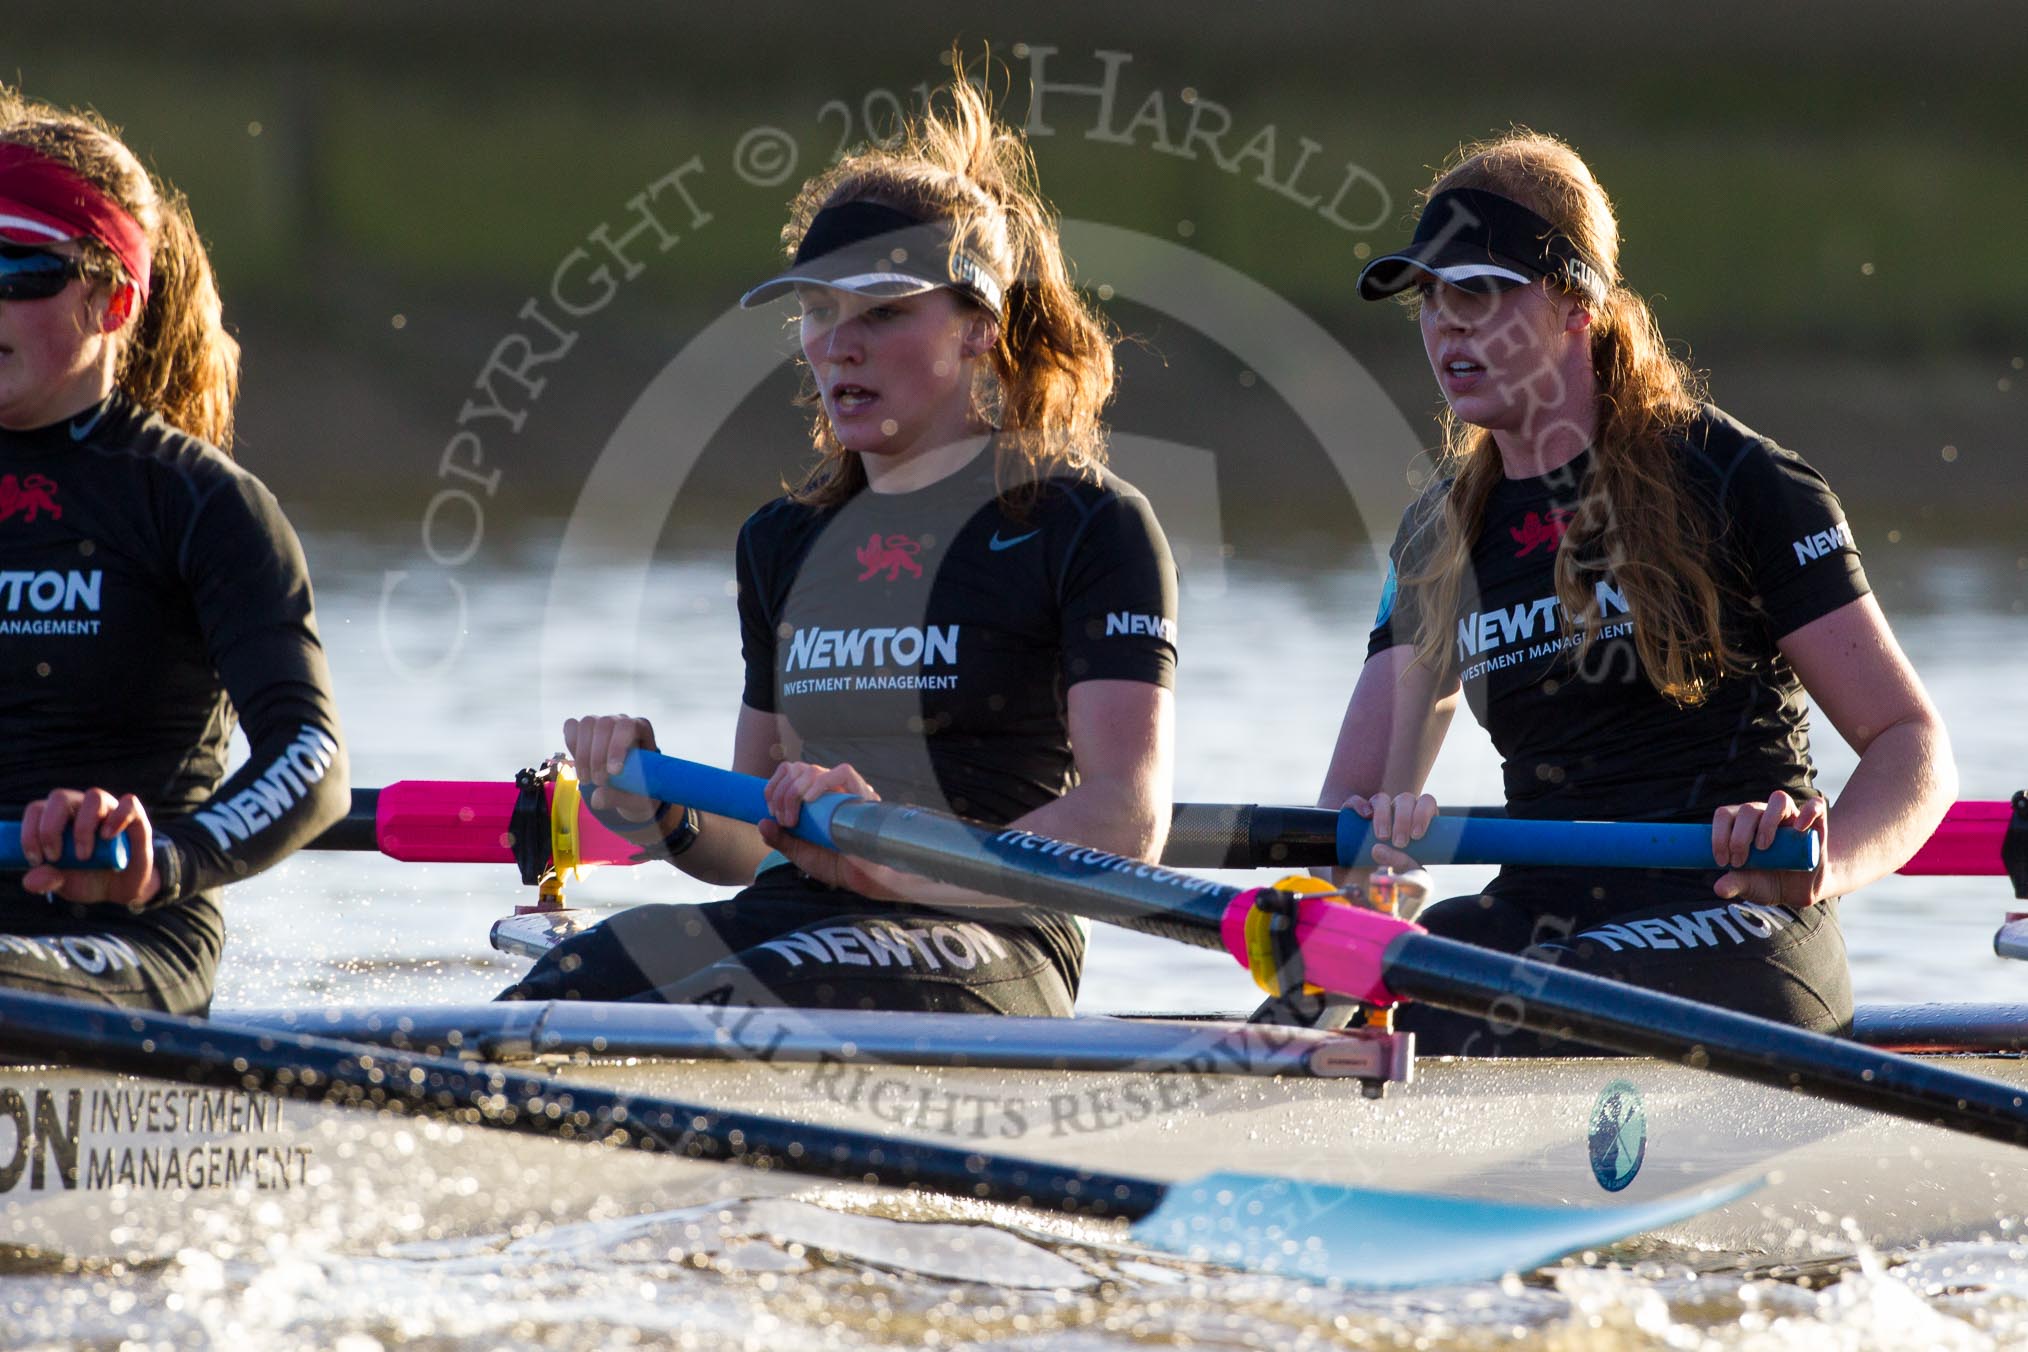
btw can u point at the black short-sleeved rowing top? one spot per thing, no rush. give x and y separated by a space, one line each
929 638
1600 741
151 594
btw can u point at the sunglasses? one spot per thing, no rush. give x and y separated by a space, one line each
35 274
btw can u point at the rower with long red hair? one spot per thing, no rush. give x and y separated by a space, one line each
1640 598
151 592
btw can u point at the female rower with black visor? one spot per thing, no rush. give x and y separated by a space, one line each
151 592
1636 594
958 607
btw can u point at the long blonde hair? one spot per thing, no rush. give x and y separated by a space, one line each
1050 372
1636 522
176 359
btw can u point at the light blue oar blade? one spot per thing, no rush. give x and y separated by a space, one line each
1362 1237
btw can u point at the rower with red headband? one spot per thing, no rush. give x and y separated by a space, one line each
151 592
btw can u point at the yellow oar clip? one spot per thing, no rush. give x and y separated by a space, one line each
1271 953
563 830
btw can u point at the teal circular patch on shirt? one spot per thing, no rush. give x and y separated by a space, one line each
1618 1135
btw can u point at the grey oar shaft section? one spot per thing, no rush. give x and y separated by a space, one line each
1572 1006
1020 866
320 1070
1005 862
1367 957
1584 1009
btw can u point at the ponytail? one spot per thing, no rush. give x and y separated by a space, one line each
181 363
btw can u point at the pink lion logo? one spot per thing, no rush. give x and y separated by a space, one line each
895 553
28 498
1534 531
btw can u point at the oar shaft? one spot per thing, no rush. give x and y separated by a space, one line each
1365 955
1472 840
320 1070
1029 868
1250 835
1587 1010
1977 838
448 821
1006 863
1206 835
1973 840
452 821
1449 840
357 829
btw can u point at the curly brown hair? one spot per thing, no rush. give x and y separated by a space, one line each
176 359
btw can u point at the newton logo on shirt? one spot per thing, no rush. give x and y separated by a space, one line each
1813 547
48 591
60 600
302 763
1487 631
1127 622
821 649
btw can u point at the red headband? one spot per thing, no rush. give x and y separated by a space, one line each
43 202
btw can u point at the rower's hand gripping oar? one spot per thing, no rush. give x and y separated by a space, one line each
1353 1236
1364 955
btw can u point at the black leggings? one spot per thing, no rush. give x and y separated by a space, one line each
162 960
1666 931
784 941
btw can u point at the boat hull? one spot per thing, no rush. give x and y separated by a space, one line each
108 1166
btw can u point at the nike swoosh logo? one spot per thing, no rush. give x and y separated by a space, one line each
79 431
996 544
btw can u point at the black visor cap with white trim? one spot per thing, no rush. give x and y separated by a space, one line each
1480 241
874 250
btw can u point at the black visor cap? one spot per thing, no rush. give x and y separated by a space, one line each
1480 241
874 250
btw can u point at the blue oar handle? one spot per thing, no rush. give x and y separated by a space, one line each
723 793
107 854
1449 840
1495 840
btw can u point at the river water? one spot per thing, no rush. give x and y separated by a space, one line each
1271 647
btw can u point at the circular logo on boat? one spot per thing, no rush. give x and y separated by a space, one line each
1618 1136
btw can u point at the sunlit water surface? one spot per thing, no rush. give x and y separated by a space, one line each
1270 653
